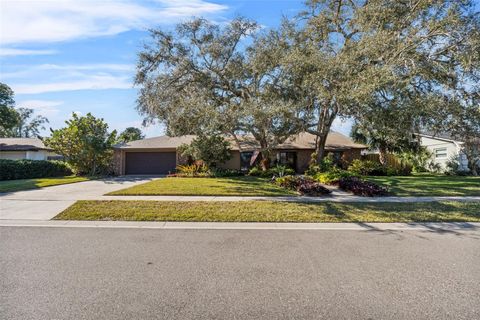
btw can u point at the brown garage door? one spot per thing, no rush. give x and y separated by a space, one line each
149 162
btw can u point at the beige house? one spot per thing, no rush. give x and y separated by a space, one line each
25 148
159 155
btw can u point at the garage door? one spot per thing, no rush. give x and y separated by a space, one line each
149 162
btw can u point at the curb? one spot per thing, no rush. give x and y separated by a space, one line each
427 226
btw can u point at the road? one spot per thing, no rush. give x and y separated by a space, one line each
92 273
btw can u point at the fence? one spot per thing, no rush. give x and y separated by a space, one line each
392 160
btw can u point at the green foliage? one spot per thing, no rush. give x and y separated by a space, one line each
85 143
367 168
212 150
193 170
277 171
17 122
333 175
29 169
324 165
419 160
130 134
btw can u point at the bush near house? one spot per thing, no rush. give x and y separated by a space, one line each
201 170
333 176
302 184
361 187
374 168
277 171
29 169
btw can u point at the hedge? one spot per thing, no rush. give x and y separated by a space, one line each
29 169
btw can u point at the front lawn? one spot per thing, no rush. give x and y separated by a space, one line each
234 186
272 211
430 185
27 184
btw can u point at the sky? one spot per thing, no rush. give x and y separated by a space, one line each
64 56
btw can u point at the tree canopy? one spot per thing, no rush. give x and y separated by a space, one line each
130 134
85 144
19 122
393 66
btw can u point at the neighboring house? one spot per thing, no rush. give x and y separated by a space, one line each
444 148
159 155
25 148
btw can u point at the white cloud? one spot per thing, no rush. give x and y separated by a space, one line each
93 82
47 108
57 78
60 20
24 52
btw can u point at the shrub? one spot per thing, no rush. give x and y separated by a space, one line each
326 164
30 169
192 170
302 184
361 187
333 176
278 171
212 150
367 168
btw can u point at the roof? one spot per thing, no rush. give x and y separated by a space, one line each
335 141
439 135
22 144
162 142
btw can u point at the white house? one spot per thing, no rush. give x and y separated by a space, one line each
25 148
444 148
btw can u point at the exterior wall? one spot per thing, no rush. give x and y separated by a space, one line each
453 151
29 155
233 163
13 155
351 154
303 160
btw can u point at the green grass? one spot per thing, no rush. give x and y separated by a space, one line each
235 186
27 184
271 211
430 185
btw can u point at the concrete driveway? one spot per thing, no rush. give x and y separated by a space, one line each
46 203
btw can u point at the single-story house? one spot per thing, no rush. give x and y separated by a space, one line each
159 155
444 148
25 148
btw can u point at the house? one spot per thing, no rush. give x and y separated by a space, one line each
25 148
159 155
444 148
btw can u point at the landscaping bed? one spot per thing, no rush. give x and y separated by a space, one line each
272 211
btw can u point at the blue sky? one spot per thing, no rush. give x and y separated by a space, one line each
79 56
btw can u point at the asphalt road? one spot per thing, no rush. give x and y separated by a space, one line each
87 273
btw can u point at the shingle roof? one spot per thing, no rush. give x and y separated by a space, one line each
21 144
335 141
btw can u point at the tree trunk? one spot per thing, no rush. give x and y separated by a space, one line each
382 155
320 148
265 161
472 165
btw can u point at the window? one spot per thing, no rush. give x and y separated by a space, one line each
440 153
55 158
245 158
288 159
